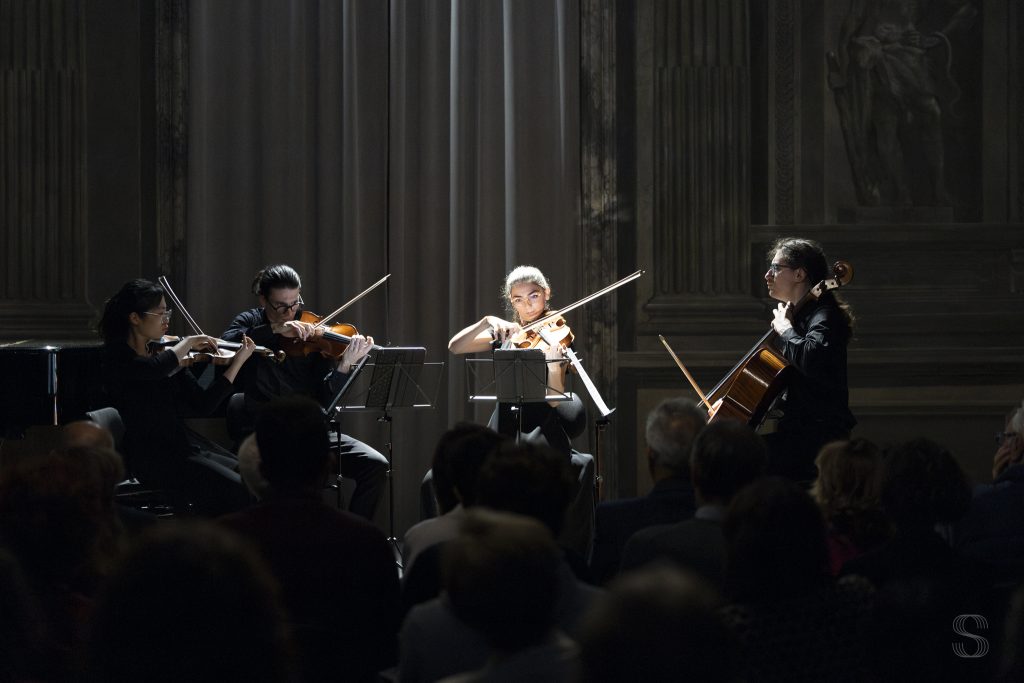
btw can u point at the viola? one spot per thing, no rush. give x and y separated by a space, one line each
556 330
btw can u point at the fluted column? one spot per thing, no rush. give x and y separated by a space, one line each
42 208
695 169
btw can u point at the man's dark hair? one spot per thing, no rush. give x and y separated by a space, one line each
292 437
527 479
727 455
922 485
501 576
277 276
457 459
775 542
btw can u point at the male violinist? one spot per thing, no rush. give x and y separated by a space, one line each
278 288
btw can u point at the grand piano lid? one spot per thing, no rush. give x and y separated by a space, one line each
49 344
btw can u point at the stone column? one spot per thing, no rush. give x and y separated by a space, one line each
42 174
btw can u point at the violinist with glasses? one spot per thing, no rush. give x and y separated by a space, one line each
277 323
146 384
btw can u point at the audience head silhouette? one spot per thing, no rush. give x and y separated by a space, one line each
923 485
671 429
291 434
727 455
458 457
657 624
501 577
775 542
191 602
529 480
849 476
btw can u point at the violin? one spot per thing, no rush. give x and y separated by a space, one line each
329 341
556 330
224 354
204 356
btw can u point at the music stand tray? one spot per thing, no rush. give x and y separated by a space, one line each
512 376
397 377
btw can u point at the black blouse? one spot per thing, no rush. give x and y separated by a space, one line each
816 346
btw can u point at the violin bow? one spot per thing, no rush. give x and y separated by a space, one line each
351 301
693 383
554 315
165 283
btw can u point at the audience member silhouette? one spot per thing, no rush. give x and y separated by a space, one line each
22 631
848 490
671 429
993 528
794 620
459 454
923 584
57 519
657 624
100 441
529 480
501 578
458 458
1010 668
336 570
726 456
191 602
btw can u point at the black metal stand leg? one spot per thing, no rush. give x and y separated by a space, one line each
338 477
396 546
599 428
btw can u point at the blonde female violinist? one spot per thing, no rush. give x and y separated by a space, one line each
527 293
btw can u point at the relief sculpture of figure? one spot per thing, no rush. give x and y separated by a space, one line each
884 79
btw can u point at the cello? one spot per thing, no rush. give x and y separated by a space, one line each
750 388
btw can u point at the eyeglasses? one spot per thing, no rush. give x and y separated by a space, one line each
166 315
1004 436
282 307
776 267
533 297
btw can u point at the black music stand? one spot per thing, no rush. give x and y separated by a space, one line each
398 377
520 376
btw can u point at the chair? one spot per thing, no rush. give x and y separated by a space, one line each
109 419
131 492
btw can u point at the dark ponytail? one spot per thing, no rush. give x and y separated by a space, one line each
278 276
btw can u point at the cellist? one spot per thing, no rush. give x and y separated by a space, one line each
815 405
